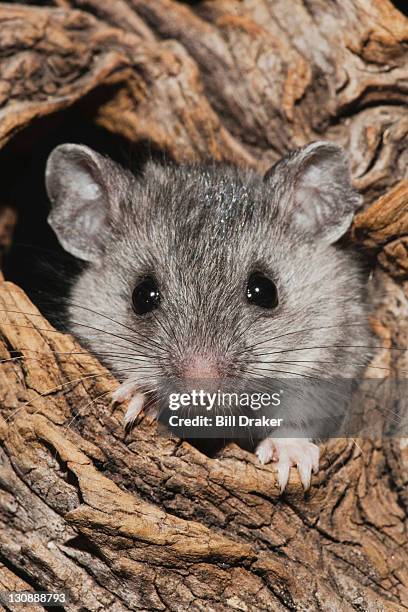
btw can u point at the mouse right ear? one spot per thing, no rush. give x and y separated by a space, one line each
83 188
320 200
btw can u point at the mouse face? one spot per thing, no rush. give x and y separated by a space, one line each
212 272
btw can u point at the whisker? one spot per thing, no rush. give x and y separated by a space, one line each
299 374
233 339
53 390
116 345
68 425
361 365
60 387
129 358
133 342
167 332
120 337
156 344
307 329
329 346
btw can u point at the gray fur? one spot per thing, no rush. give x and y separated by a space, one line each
201 231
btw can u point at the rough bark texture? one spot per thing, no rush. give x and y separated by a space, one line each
131 520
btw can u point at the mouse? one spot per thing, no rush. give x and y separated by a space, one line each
209 271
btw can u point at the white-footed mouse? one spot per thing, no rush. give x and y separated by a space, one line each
213 271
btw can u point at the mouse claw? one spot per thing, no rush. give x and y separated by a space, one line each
129 391
287 452
264 451
124 392
134 409
283 468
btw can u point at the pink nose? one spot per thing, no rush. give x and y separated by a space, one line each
202 367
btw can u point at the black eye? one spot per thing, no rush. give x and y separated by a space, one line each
146 296
261 291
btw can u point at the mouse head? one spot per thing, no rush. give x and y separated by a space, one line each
210 272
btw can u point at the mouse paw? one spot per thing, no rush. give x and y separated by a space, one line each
287 452
129 391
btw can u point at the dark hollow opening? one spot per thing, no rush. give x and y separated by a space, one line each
36 262
401 5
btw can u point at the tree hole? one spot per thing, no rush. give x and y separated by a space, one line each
34 260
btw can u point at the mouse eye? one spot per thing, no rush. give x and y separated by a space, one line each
146 296
261 291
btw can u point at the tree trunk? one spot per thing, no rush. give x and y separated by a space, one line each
133 520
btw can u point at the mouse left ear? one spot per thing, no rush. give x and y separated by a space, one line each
321 199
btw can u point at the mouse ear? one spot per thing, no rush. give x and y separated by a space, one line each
83 191
322 200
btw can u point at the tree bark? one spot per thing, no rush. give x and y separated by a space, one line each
133 520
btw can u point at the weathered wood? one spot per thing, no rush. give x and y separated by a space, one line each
156 90
383 229
137 520
133 520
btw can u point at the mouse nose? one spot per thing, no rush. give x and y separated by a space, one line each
200 367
